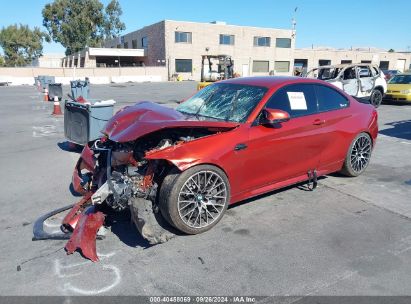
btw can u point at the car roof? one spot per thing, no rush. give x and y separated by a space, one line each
345 65
271 81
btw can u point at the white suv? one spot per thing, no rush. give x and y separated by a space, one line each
358 80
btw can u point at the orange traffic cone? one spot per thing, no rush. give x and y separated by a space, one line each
56 108
46 95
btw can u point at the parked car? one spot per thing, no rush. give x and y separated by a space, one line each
358 80
231 141
390 73
399 88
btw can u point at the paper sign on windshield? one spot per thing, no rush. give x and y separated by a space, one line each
297 100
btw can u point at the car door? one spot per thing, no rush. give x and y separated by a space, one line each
289 149
367 80
334 111
350 82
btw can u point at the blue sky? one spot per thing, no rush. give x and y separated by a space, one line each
359 23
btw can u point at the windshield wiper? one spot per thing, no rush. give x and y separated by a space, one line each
205 101
234 103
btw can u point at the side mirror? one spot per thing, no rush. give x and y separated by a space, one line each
274 116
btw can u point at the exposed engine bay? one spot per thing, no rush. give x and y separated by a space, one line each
122 172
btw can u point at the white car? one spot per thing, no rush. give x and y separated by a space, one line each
358 80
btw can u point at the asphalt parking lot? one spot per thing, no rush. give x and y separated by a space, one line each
348 237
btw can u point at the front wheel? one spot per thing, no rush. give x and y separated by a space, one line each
358 155
376 98
195 200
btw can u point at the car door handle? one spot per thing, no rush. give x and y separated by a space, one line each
240 147
318 122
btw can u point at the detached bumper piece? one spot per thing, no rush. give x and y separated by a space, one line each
85 232
38 227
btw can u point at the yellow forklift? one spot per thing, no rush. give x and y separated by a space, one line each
225 68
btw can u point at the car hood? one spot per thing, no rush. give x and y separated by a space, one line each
146 117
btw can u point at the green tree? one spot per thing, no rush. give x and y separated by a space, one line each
2 62
391 51
77 24
21 45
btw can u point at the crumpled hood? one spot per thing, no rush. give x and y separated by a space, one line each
146 117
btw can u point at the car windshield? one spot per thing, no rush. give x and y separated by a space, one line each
224 101
400 79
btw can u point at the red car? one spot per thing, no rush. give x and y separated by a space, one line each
232 140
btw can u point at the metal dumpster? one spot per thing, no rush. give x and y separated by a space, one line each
55 90
84 121
80 88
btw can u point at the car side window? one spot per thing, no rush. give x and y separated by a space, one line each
364 72
329 99
349 73
297 100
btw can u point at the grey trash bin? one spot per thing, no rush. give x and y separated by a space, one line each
55 90
83 122
45 81
80 88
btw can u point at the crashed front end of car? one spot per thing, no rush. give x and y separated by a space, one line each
107 172
121 171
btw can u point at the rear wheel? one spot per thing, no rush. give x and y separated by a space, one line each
358 155
195 200
376 98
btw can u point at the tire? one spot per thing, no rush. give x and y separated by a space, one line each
195 200
376 98
358 155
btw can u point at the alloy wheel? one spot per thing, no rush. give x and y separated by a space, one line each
202 199
360 153
376 98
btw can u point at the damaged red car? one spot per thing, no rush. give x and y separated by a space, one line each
233 140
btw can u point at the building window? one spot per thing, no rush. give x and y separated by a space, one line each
260 66
134 43
282 66
144 42
384 65
262 41
283 43
227 39
183 37
365 61
184 65
322 62
125 45
346 61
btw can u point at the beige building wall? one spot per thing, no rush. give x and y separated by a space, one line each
25 75
161 48
207 36
395 60
155 48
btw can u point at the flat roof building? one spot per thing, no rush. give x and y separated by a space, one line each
309 58
179 45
